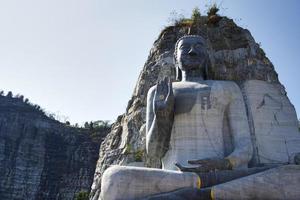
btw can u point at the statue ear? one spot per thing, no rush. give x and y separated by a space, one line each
207 71
178 74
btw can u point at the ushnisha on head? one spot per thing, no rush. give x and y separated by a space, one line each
191 58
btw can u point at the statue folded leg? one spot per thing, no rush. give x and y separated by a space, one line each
123 182
282 182
278 183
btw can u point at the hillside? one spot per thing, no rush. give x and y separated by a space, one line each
41 158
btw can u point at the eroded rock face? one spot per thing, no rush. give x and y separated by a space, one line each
234 55
41 158
274 122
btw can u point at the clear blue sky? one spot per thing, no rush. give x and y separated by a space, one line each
82 58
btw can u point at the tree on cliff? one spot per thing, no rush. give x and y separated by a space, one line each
196 15
9 94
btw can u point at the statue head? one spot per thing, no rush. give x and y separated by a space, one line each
191 55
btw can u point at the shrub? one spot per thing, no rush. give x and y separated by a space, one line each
82 195
101 124
138 155
128 149
9 94
212 10
213 17
196 15
176 19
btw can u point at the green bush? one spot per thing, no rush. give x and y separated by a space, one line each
213 9
128 149
138 155
82 195
196 15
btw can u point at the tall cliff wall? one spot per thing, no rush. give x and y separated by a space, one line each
234 55
41 158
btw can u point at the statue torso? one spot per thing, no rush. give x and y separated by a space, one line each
198 123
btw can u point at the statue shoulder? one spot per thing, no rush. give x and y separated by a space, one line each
176 85
230 87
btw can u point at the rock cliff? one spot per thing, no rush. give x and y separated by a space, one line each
41 158
234 55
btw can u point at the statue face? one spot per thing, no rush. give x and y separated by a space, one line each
191 53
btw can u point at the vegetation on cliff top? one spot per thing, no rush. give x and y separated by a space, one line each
212 17
18 103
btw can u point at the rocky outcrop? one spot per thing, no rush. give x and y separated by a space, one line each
41 158
234 55
273 121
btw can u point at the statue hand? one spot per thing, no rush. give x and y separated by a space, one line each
206 165
164 98
213 163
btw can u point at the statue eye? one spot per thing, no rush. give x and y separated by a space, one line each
184 47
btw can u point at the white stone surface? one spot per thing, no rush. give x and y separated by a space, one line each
199 133
124 183
275 125
278 183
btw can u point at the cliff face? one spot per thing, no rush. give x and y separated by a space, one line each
234 55
41 158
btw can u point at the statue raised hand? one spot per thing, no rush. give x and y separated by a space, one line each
160 117
164 100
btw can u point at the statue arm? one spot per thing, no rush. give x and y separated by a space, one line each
159 118
151 125
239 127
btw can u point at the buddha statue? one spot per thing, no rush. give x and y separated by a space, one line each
199 130
185 119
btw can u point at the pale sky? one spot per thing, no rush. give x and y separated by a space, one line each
82 58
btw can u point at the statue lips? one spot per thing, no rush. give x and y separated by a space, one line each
190 62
